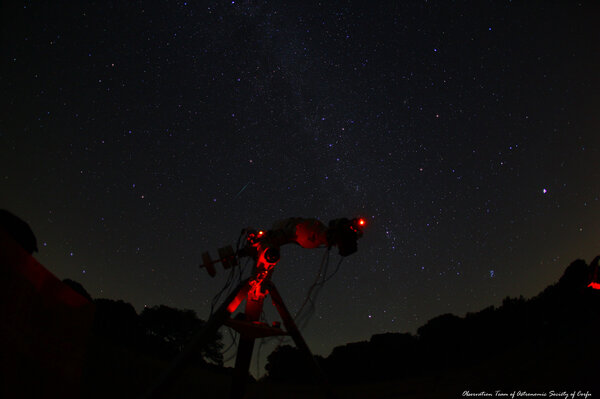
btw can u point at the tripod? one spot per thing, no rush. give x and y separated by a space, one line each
249 328
248 325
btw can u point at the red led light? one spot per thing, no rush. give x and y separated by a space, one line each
595 286
260 233
361 222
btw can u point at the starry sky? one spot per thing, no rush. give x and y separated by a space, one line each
136 135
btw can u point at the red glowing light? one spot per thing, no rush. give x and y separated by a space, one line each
260 233
361 222
595 286
233 305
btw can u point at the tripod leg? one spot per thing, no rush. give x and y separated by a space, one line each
199 338
292 329
253 312
242 365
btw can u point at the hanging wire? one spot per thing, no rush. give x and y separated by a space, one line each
304 319
218 295
242 269
228 285
310 299
234 342
303 316
231 277
337 269
231 345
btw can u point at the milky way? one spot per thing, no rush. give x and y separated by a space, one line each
136 135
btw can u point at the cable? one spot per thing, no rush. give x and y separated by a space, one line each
243 270
225 287
305 318
230 277
320 272
236 273
233 275
301 318
337 269
233 342
258 357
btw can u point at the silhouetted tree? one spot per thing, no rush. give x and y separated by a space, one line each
168 330
117 321
442 340
576 276
288 364
394 355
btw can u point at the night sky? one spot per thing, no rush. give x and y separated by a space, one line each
136 135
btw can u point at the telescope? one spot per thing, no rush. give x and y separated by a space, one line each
342 233
263 247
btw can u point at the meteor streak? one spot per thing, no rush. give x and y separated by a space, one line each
243 188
